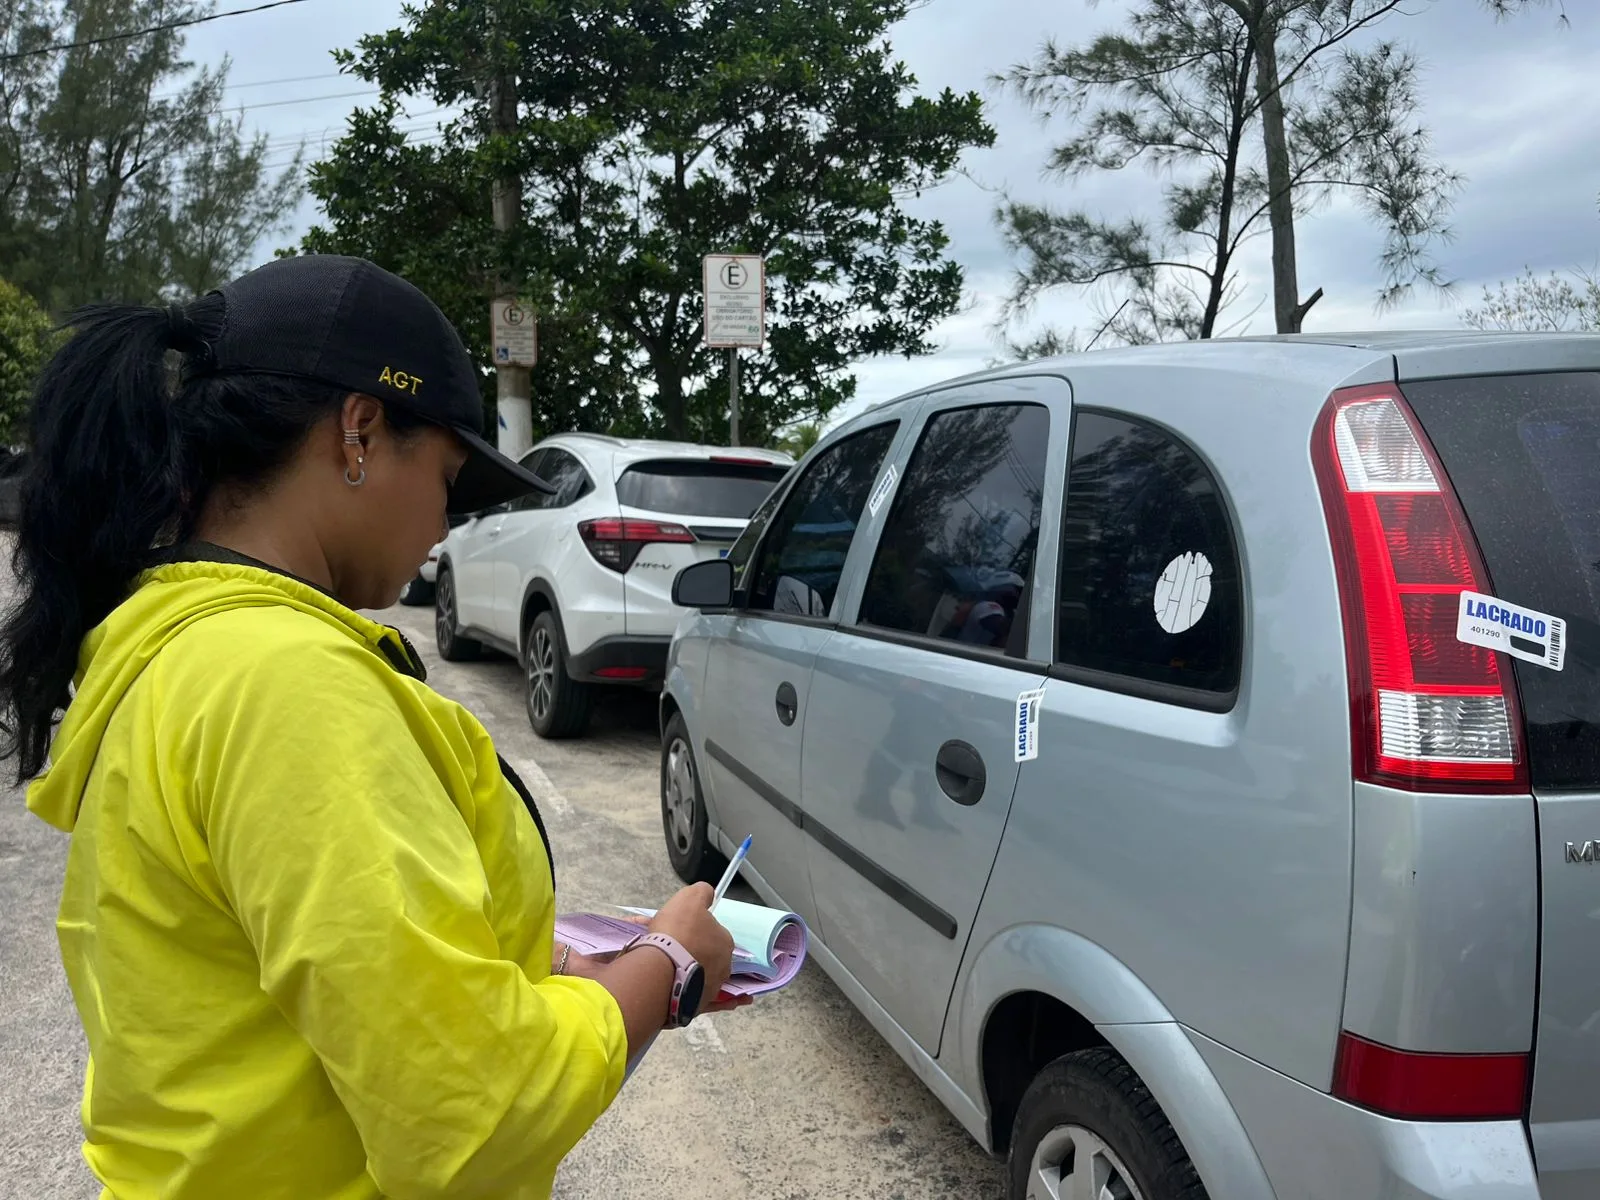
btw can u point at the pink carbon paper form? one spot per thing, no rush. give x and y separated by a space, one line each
593 934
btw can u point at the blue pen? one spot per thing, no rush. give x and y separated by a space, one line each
733 869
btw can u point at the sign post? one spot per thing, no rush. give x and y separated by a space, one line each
516 348
736 315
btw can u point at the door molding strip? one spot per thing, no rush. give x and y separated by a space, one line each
896 889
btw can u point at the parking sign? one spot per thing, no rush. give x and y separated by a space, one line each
735 300
516 334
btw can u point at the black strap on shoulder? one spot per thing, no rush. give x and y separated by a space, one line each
533 811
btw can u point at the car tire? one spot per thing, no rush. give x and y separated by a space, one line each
558 705
446 627
683 809
1090 1111
418 593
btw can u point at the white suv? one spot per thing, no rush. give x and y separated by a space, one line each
578 586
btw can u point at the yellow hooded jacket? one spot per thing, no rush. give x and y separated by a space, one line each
307 919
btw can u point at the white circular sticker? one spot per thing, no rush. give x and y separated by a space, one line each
1183 591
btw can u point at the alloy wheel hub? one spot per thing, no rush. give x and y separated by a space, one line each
1073 1163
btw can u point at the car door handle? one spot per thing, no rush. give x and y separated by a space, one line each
788 703
960 771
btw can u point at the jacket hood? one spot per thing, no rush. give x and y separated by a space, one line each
165 602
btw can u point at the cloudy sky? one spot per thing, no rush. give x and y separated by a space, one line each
1512 107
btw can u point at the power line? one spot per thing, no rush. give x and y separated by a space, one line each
228 87
57 47
299 99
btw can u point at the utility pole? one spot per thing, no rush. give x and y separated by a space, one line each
513 384
733 395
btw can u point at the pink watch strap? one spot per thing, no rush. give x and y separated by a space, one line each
682 963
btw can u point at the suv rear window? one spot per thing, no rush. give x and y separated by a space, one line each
690 488
1523 452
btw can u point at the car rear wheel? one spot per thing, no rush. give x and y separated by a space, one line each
446 631
1089 1128
558 705
683 810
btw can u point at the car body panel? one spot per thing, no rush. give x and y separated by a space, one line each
900 867
752 763
1566 1070
1444 936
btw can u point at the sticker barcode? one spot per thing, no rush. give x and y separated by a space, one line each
1555 655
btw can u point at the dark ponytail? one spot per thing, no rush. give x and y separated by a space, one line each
127 446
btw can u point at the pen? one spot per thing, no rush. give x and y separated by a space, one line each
739 856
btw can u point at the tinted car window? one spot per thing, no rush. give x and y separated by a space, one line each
741 550
533 461
566 474
698 489
1149 585
1523 453
798 566
956 556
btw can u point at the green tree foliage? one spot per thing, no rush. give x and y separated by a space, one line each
27 338
1561 301
648 133
121 177
797 440
1181 90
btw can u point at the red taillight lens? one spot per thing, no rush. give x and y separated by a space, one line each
616 541
1428 712
1430 1087
622 672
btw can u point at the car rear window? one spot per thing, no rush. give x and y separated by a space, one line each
698 489
1523 452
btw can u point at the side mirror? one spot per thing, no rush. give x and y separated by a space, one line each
704 585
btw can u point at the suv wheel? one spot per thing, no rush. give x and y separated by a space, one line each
683 811
558 705
452 646
1089 1127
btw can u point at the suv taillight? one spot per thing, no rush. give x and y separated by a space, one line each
616 541
1428 712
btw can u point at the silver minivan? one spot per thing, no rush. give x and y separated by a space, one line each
1188 758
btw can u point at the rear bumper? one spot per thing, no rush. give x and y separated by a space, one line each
641 661
1314 1147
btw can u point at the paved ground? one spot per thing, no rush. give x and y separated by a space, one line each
795 1098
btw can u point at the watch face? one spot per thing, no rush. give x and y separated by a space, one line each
694 985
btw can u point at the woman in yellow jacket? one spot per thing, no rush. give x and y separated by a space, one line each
308 911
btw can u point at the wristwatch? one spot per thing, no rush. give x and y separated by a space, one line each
688 984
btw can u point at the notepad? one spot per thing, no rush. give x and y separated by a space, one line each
769 945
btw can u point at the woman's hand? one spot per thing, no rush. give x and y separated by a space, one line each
687 919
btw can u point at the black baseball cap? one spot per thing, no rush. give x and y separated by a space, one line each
348 322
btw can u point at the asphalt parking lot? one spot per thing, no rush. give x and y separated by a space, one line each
795 1098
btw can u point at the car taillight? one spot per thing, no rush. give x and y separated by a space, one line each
1428 712
1430 1087
616 541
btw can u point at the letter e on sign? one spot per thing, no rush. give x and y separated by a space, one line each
515 333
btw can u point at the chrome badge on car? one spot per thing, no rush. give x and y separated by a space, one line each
1588 852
